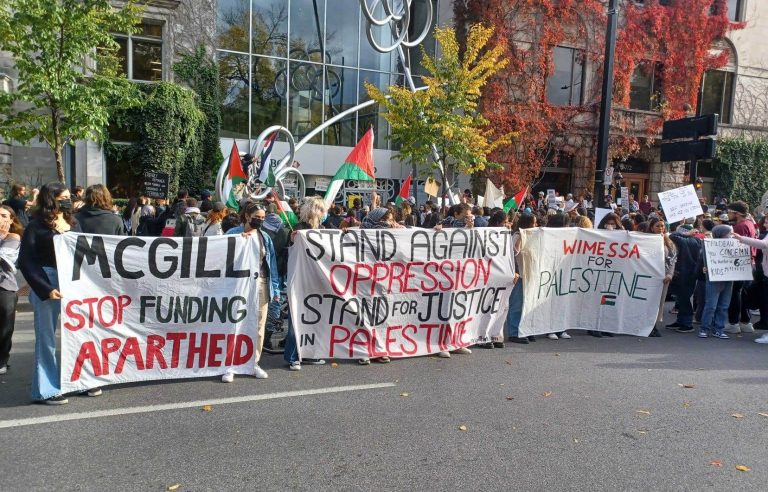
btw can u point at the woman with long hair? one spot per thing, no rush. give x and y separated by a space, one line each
657 226
37 261
212 226
252 218
130 211
10 239
96 216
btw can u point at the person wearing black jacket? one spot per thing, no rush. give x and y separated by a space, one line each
96 217
37 262
684 282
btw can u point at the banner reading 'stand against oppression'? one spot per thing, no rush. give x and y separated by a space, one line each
398 292
137 309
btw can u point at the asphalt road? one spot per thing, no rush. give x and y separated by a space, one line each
580 414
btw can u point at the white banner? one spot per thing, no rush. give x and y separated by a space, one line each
398 292
590 279
680 203
139 309
728 260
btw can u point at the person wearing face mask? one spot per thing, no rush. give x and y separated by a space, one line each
37 262
252 218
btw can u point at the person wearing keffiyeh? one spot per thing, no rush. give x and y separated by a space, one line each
380 218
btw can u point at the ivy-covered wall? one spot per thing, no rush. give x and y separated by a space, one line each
741 169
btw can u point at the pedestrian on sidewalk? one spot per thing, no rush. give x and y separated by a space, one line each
717 296
37 262
10 239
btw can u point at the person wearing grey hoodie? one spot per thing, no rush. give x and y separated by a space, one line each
717 296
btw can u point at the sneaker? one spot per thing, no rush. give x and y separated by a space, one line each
295 366
552 336
721 335
313 362
95 392
3 370
565 336
735 329
444 355
762 339
521 340
228 377
259 373
754 312
56 400
498 345
488 345
685 329
462 350
383 360
703 334
746 327
364 362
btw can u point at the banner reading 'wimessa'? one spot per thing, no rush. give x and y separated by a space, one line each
398 292
138 309
590 279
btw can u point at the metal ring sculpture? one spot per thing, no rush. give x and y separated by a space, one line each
398 18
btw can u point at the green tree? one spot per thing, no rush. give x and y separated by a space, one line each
446 114
68 70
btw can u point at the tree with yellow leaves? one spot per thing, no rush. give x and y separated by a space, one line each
446 113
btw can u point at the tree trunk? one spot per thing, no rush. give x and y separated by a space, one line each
58 150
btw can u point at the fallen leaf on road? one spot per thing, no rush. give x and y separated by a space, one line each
547 394
462 428
644 412
689 386
557 355
575 440
175 486
717 463
404 394
642 431
743 468
509 362
686 404
510 398
207 408
762 414
737 415
334 365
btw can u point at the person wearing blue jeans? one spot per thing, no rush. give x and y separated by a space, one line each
718 298
515 313
46 382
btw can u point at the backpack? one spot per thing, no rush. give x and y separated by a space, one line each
189 226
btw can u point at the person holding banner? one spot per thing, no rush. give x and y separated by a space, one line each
252 218
37 262
656 226
738 314
515 312
718 294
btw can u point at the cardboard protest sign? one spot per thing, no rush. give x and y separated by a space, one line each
138 309
727 260
398 292
680 203
590 279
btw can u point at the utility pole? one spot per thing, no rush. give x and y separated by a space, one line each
605 103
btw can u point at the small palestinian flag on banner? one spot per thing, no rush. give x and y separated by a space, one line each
608 300
358 166
515 202
405 192
235 179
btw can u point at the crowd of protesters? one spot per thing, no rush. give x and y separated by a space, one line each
30 220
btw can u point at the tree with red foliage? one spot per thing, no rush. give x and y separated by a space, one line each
679 36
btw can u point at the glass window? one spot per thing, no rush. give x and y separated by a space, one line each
232 25
307 21
340 94
371 116
305 93
268 94
717 94
341 33
369 57
234 80
645 87
564 86
270 27
141 54
734 10
124 176
418 20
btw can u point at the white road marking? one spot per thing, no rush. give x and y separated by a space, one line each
5 424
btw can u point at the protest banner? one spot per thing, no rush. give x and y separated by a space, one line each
139 309
591 280
155 184
398 292
680 203
728 260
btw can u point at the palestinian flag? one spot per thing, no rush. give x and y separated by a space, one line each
265 171
284 211
515 202
358 166
608 300
405 191
235 176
